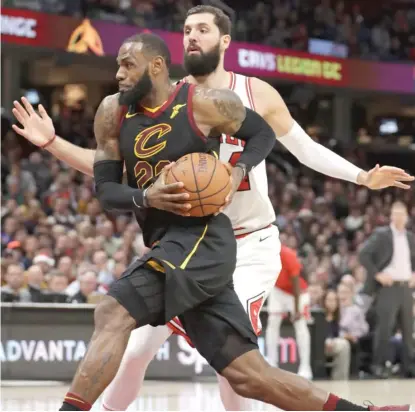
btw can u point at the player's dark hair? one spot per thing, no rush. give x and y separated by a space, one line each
153 45
221 19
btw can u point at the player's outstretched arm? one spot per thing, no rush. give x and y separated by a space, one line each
38 129
312 154
218 111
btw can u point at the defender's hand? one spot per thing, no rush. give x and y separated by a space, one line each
37 128
385 176
235 176
170 198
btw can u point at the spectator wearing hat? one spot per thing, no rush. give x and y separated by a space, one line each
45 262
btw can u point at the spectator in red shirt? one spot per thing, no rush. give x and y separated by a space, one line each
289 295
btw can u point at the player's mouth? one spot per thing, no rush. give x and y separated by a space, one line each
123 88
193 50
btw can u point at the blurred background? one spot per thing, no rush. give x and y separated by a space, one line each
346 70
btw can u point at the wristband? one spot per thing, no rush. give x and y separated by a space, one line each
145 201
243 167
48 142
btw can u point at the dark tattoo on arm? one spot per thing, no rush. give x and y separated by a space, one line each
221 109
106 129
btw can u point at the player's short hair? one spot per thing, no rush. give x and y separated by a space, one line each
153 45
221 19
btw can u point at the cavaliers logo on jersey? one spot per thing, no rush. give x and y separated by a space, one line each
144 172
144 151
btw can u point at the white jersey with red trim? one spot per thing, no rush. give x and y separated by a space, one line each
251 208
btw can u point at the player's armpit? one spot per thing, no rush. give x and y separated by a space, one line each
270 105
217 111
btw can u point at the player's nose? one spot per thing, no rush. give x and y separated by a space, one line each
120 75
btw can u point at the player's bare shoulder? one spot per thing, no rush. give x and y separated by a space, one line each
217 110
106 128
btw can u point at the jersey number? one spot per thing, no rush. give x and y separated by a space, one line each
245 184
144 172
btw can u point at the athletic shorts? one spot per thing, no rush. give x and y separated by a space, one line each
188 274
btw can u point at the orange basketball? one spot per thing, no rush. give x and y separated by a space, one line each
205 178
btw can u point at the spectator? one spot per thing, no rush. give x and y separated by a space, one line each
336 347
389 258
88 284
101 262
67 268
352 323
45 262
316 292
111 243
14 289
58 282
35 283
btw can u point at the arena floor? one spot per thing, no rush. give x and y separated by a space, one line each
192 397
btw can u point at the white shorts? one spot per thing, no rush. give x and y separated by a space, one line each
258 265
280 302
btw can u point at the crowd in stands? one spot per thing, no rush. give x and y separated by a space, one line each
58 245
378 31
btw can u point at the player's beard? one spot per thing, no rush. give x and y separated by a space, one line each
137 93
204 63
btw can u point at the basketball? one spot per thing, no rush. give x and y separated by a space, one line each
205 178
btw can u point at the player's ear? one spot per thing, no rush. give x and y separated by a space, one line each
225 42
157 65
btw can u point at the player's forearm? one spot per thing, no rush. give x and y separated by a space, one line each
112 194
77 157
317 157
259 137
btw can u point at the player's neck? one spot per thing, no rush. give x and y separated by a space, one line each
158 95
219 79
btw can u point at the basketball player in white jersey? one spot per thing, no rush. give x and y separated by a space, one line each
206 39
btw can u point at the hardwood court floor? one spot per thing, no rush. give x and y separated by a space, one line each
193 397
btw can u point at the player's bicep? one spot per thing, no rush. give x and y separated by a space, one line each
272 107
106 130
218 110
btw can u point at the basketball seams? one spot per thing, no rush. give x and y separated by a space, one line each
196 183
174 176
214 194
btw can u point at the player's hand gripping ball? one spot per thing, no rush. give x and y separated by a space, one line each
205 178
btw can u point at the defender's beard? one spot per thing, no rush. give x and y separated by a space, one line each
202 64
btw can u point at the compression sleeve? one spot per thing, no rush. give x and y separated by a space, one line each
318 157
111 193
259 137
